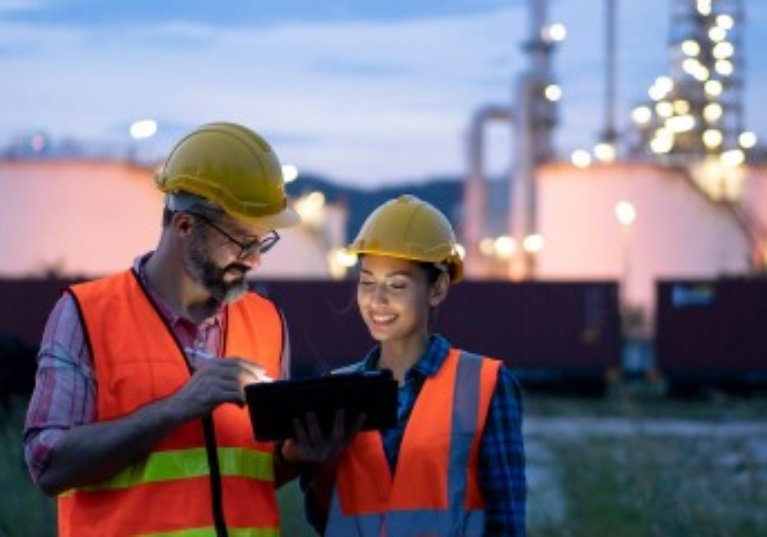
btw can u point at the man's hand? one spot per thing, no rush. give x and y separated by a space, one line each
216 381
311 446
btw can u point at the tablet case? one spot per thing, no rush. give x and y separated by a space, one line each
274 405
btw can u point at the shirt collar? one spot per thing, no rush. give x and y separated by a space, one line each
168 313
427 365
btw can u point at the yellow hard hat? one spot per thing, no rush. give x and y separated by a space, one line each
233 167
410 228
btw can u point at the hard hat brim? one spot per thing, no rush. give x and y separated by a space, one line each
286 218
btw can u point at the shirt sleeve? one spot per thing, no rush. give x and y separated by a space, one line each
502 460
65 388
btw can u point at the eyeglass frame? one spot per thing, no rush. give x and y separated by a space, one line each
260 245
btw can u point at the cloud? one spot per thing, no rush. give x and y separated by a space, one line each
403 87
240 13
364 93
21 6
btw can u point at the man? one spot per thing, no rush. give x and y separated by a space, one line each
134 423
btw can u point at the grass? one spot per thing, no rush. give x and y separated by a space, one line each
640 485
24 511
647 487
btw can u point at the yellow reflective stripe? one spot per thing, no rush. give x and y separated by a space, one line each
184 464
246 463
211 532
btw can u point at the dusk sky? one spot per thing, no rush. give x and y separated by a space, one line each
364 92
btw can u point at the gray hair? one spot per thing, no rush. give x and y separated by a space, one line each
181 201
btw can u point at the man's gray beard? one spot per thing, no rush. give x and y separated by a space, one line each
211 276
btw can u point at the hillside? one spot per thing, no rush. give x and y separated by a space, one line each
444 193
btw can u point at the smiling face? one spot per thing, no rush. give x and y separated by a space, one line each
395 297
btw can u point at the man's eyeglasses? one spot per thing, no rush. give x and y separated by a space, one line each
262 245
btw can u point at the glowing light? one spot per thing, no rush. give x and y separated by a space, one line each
641 115
713 112
690 65
143 128
717 33
664 109
662 86
704 7
680 123
487 246
311 208
702 73
625 213
724 67
712 138
723 50
681 106
581 158
555 32
655 93
289 173
665 83
345 258
747 139
604 152
725 21
533 243
460 250
713 88
690 47
504 246
733 157
339 262
553 92
663 141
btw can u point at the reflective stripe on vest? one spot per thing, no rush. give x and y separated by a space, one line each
183 464
422 498
137 361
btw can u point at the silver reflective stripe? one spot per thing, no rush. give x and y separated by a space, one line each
340 525
465 407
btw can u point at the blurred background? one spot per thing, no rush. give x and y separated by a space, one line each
603 162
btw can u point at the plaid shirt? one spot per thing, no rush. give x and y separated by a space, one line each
501 452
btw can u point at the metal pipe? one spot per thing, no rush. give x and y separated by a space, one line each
533 144
475 189
609 134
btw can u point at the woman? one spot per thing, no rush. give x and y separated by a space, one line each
454 465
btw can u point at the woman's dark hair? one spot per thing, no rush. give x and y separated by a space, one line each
432 271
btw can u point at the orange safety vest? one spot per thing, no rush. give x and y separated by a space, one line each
171 491
434 490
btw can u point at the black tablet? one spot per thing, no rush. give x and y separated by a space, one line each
274 405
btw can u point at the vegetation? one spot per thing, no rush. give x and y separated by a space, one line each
24 511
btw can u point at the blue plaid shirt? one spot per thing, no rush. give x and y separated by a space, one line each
501 452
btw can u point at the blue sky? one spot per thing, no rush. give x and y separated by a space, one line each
367 92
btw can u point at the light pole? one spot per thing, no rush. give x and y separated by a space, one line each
626 214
